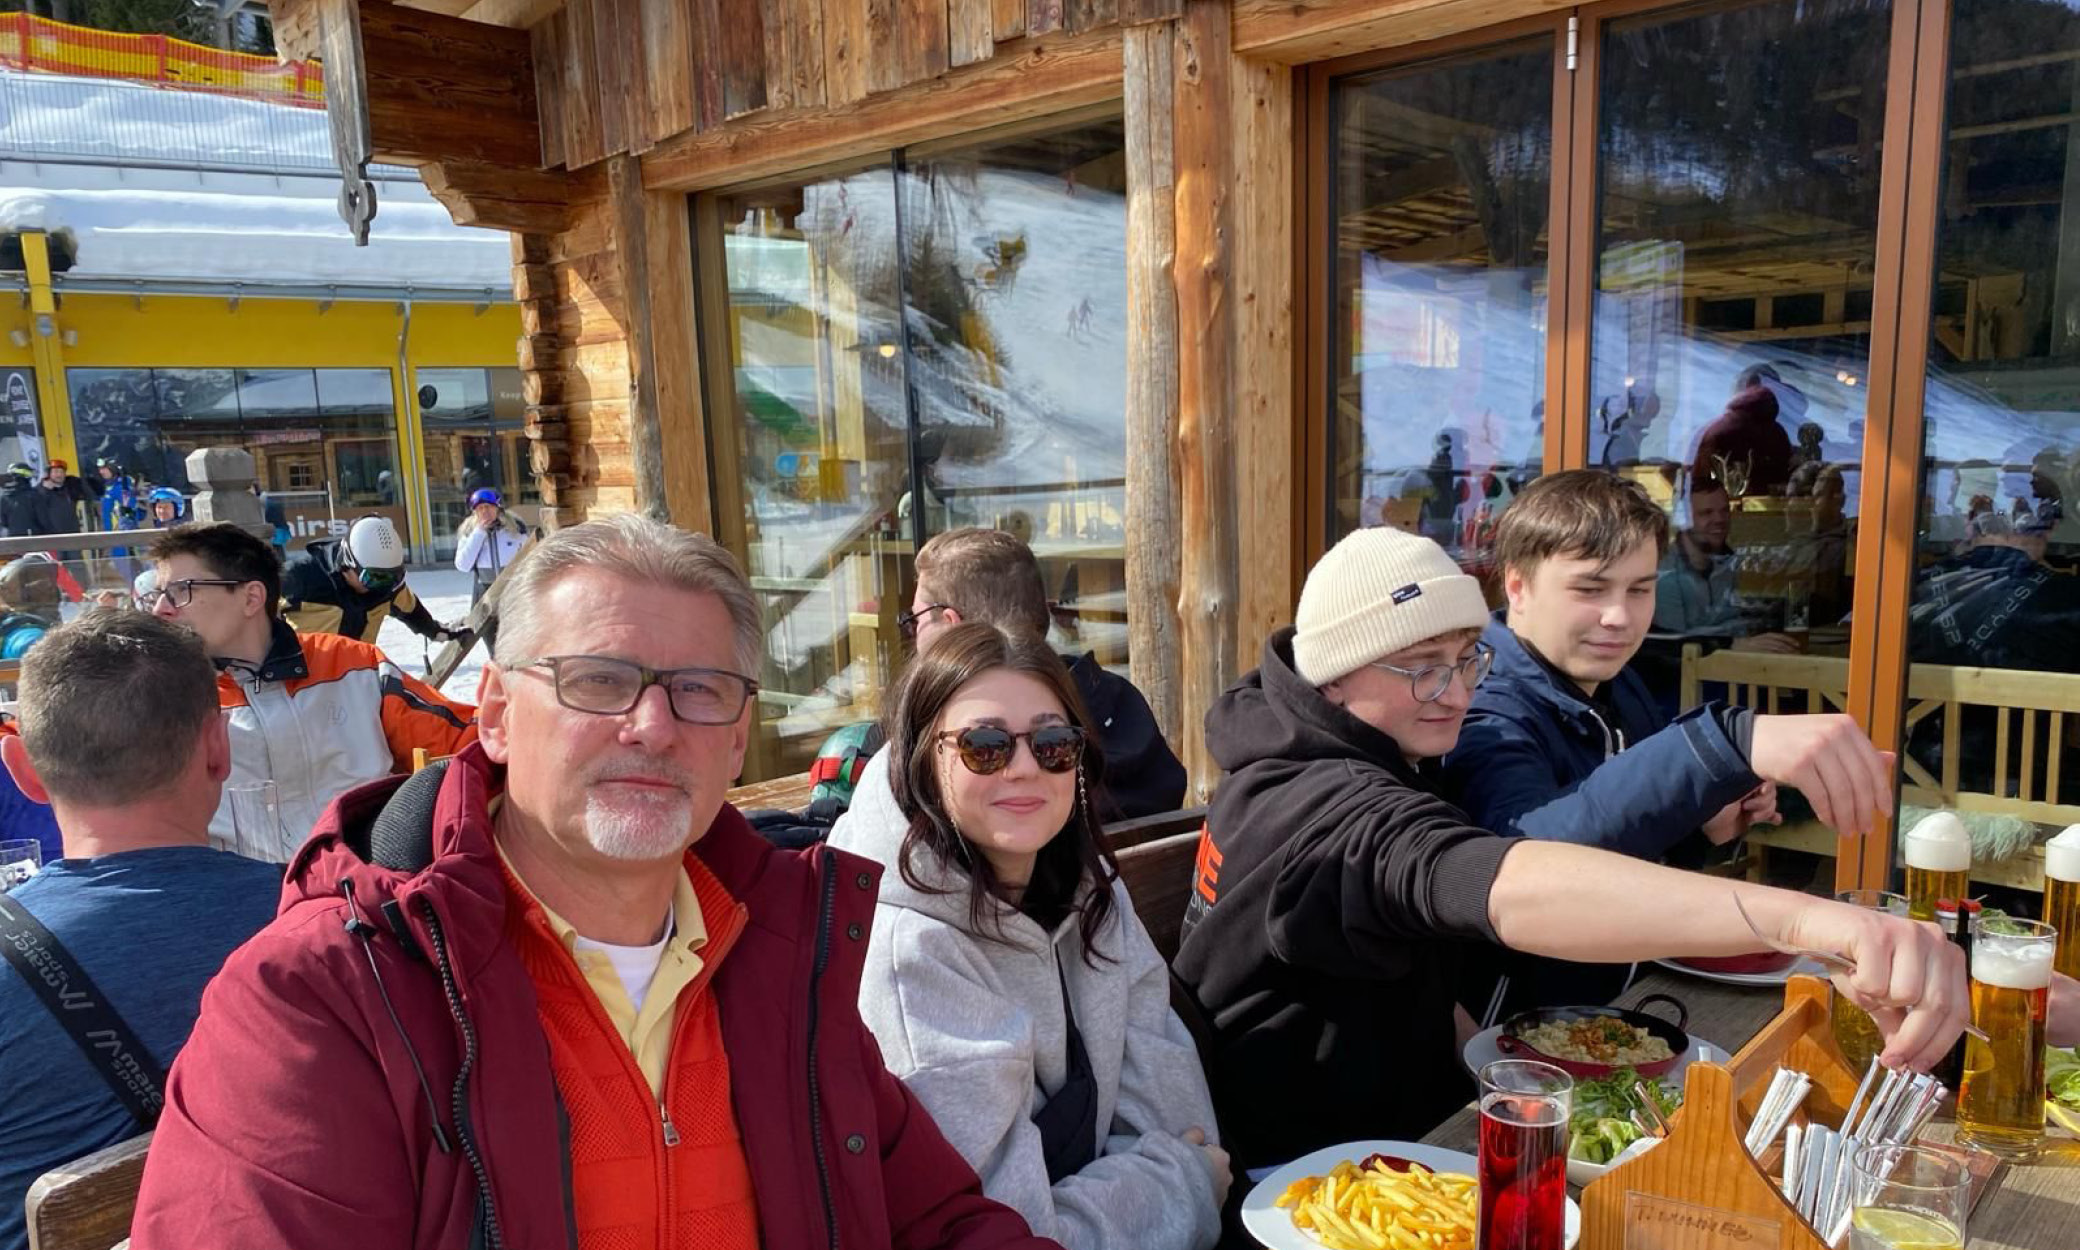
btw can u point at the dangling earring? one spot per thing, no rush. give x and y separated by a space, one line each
1082 800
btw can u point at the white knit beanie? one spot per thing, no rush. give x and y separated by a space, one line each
1375 593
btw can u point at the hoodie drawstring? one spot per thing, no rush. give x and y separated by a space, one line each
361 929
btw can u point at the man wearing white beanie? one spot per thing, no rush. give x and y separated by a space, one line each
1336 894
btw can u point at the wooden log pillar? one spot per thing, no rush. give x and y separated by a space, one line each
1153 381
1206 449
632 226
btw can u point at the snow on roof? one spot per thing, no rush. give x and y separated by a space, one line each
65 154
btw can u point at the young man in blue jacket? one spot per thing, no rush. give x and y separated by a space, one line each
1565 743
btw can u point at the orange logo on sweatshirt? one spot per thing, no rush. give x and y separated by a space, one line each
1207 865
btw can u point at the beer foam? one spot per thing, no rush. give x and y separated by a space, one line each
2065 854
1938 843
2013 965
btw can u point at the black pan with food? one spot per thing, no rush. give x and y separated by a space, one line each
1600 1026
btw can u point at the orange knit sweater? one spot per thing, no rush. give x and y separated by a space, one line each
645 1176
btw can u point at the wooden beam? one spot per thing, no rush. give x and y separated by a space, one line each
517 13
1153 380
528 201
1265 250
675 366
1202 153
1298 31
1033 80
441 88
632 229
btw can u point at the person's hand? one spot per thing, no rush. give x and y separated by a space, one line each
2061 1011
1218 1161
1759 807
1906 975
1771 644
1829 759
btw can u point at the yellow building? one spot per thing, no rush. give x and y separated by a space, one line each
184 280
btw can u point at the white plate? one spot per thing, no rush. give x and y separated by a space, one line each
1583 1172
1482 1049
1803 967
1275 1227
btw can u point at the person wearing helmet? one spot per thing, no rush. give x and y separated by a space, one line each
17 502
347 586
488 542
167 507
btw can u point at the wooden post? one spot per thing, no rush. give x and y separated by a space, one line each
1153 381
1263 242
1206 447
632 229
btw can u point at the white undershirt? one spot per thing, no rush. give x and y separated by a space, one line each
634 965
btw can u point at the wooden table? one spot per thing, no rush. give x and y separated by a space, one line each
2030 1207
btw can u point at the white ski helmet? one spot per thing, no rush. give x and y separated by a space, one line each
373 543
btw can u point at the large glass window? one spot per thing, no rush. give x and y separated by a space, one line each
1994 602
1737 220
1439 285
934 341
470 426
322 441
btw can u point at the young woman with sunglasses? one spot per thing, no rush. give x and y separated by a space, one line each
1008 979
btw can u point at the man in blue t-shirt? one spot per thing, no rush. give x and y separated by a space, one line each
141 902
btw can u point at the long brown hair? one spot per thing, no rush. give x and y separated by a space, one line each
1076 855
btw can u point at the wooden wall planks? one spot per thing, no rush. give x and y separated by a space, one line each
619 76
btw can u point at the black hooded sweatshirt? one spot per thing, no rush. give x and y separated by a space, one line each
1335 895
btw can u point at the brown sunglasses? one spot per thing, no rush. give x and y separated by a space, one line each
986 749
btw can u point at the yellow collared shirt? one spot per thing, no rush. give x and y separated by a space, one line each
648 1032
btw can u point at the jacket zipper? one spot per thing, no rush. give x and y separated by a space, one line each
460 1097
1615 741
828 886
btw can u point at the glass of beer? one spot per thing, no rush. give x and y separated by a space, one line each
1858 1037
2058 908
1908 1198
2003 1081
1522 1155
1935 856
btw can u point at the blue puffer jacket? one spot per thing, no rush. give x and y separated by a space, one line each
1538 760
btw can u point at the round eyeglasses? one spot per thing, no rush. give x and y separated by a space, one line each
1427 684
987 749
604 686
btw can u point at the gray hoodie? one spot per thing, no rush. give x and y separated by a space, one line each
975 1028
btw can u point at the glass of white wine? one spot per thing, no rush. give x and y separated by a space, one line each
1908 1198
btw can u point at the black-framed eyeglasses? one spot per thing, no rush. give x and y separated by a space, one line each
1427 684
181 593
604 686
987 749
908 622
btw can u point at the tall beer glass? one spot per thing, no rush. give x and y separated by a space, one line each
2064 867
1935 856
2002 1087
1522 1155
1856 1033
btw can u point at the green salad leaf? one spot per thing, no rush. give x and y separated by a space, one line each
1600 1123
2064 1078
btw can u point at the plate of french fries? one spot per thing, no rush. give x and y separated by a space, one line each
1414 1197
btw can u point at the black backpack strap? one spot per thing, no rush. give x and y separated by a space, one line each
85 1014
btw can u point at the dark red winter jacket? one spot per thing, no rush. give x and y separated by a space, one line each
297 1115
1748 433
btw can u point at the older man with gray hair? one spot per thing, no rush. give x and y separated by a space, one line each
121 736
556 992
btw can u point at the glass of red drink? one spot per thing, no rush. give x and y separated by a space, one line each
1523 1155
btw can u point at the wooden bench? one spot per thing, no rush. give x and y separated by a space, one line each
1159 877
2035 731
87 1204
